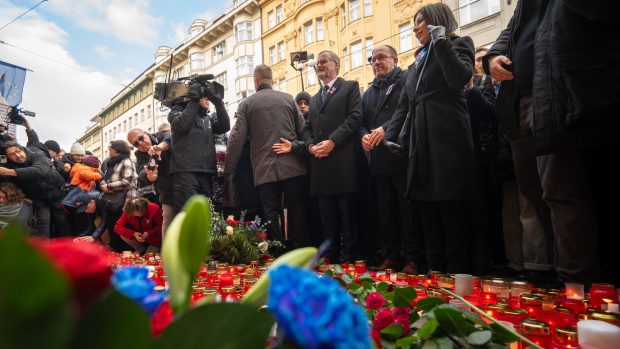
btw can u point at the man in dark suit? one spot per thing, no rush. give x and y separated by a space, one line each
269 117
398 224
331 129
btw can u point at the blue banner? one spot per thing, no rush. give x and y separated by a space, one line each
12 80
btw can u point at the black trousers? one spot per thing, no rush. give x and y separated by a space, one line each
116 243
340 225
187 184
445 225
399 222
292 192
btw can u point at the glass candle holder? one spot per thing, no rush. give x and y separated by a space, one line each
531 304
360 267
577 306
574 291
564 337
517 288
488 298
501 288
536 331
513 316
463 284
598 292
197 293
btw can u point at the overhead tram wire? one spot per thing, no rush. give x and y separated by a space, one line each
20 16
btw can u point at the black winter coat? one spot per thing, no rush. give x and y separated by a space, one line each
441 156
193 146
37 178
164 181
338 119
379 103
577 72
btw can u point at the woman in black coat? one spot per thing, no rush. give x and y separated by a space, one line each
441 155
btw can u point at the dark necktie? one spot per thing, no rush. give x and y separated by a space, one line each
324 92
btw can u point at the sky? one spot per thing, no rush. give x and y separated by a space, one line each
82 52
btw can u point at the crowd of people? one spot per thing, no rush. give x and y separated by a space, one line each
469 158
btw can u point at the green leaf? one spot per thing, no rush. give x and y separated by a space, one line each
495 346
502 335
430 344
394 331
474 318
404 296
35 310
445 343
452 321
427 304
406 342
356 288
114 322
347 279
382 287
223 325
388 344
368 285
427 329
479 337
195 233
338 269
329 272
413 316
366 277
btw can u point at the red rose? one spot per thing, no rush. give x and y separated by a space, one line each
161 319
261 235
88 266
404 311
404 321
375 301
232 222
383 319
376 338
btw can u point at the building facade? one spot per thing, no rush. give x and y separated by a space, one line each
228 47
351 28
91 140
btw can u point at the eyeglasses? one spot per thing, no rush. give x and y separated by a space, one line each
140 139
373 60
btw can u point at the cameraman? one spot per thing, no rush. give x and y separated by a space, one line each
193 161
154 147
50 148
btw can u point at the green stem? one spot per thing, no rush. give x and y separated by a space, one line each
481 312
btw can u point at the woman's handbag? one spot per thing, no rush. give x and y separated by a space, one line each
114 201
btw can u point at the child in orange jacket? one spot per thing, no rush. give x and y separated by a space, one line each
86 173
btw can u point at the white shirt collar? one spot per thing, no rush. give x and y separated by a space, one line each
331 83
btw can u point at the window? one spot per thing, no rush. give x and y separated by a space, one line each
272 55
308 35
142 115
148 109
243 31
346 58
354 10
283 85
343 14
135 119
245 64
311 77
367 8
473 10
356 55
368 48
319 29
130 120
177 73
281 51
271 19
404 31
279 14
197 60
221 79
124 125
218 51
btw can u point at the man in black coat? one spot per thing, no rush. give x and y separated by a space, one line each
331 129
154 147
193 161
33 173
397 220
547 99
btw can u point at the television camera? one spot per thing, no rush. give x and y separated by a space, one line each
178 91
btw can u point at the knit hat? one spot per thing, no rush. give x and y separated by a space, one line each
77 149
53 146
302 95
91 160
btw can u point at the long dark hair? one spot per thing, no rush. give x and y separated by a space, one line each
439 14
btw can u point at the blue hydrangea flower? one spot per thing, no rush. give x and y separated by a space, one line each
316 312
134 283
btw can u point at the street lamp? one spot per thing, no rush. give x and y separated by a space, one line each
298 60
